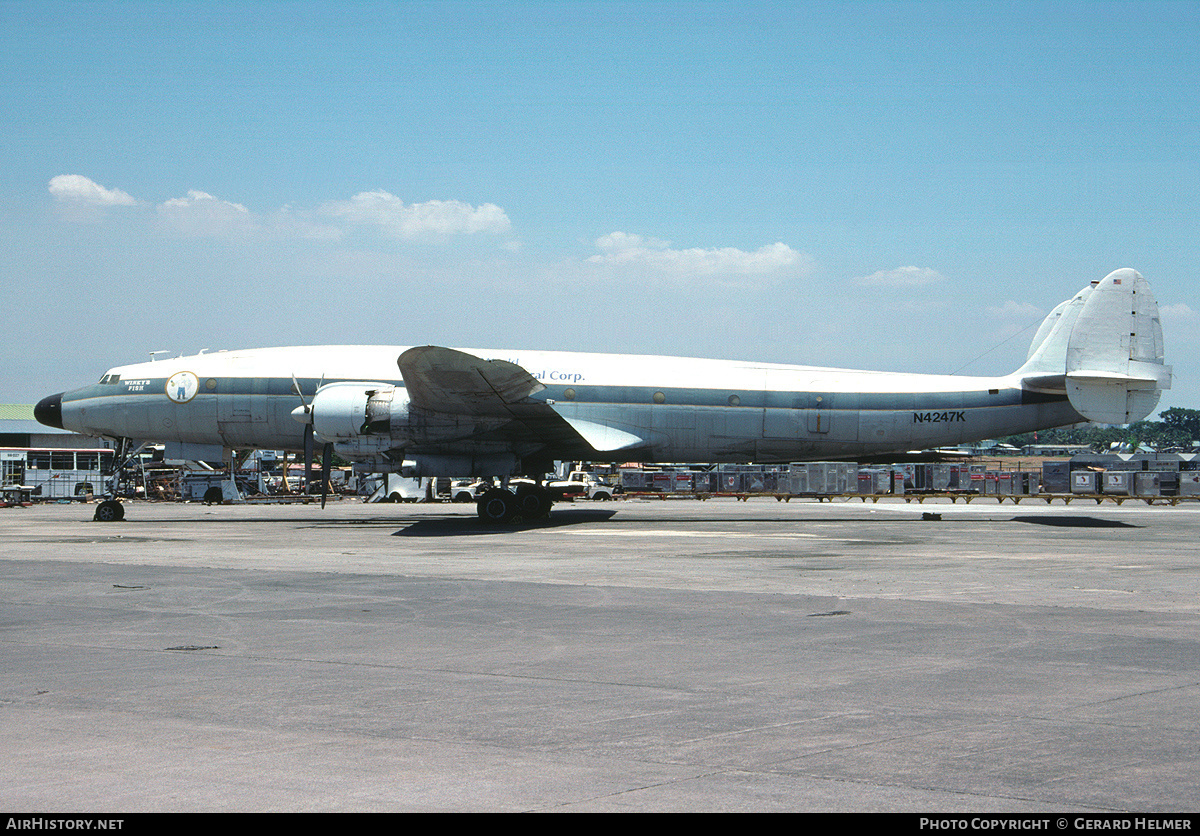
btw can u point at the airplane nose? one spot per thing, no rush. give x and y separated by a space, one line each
49 411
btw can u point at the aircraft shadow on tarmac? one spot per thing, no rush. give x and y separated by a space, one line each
1074 522
459 526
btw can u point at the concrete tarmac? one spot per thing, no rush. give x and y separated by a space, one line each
627 656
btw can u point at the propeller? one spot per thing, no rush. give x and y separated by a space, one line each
308 457
304 414
326 464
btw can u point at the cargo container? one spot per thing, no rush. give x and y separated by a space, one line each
1148 483
635 481
1018 483
730 482
874 480
681 482
1168 483
960 477
1119 482
662 482
1056 477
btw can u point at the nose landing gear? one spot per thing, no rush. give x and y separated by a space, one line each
110 510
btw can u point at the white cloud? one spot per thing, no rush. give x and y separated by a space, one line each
1016 310
901 277
1180 311
435 217
203 202
202 214
624 242
288 223
79 190
624 249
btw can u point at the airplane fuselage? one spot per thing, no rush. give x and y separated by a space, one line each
680 409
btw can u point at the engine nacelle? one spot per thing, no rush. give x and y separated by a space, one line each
362 419
356 417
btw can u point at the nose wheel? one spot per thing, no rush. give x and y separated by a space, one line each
109 511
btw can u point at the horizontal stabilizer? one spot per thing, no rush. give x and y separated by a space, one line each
1149 376
1111 401
1046 382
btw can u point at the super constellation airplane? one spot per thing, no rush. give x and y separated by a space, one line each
433 411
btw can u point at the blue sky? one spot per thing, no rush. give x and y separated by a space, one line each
901 186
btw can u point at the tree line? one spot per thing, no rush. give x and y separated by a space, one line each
1176 428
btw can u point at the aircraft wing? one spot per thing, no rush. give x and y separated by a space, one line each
454 382
445 380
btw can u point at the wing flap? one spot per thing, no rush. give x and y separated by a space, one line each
603 438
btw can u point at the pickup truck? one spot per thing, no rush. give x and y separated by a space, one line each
581 484
468 490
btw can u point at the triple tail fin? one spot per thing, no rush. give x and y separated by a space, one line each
1104 348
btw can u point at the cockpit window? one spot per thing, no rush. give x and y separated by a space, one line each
111 378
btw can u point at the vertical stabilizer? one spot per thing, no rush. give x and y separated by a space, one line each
1114 357
1048 351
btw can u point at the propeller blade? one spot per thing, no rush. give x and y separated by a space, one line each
308 457
296 390
326 464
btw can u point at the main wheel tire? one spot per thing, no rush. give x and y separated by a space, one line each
533 502
109 511
497 506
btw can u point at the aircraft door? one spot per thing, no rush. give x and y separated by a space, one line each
242 411
819 416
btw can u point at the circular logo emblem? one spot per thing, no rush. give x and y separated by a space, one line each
182 387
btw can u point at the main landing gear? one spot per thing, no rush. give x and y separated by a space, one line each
501 505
